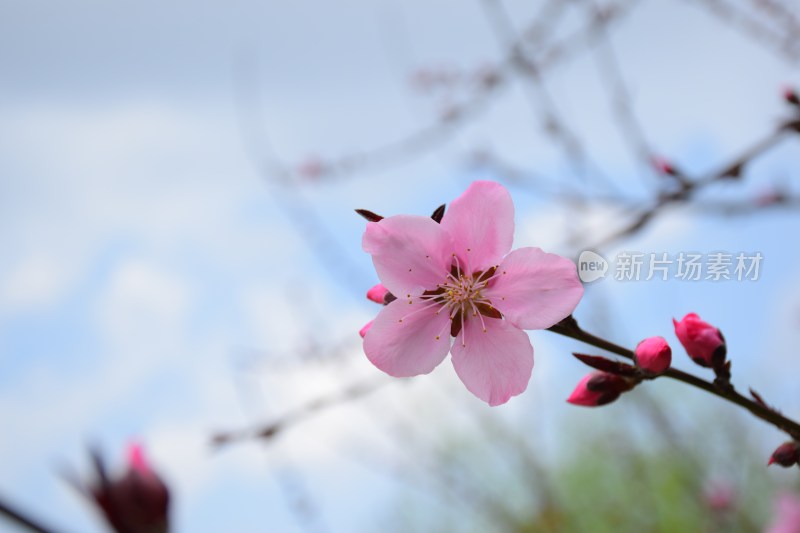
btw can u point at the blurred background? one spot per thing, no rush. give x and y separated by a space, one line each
180 256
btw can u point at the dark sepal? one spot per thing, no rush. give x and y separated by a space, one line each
438 213
369 215
759 400
455 325
607 365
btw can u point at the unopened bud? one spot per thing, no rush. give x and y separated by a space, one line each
790 95
312 168
664 166
787 454
136 501
598 388
377 293
363 331
653 355
702 341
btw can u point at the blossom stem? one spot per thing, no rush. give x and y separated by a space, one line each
569 328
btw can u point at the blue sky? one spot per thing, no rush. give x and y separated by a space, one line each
153 287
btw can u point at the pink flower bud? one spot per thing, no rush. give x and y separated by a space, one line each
787 454
703 342
136 501
312 168
664 166
653 355
377 293
790 95
363 331
598 388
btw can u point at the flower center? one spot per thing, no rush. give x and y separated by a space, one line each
460 296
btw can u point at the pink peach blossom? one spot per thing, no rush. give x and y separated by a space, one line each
458 279
703 342
653 355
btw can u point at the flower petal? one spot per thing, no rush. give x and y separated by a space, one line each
495 364
410 253
408 339
481 223
534 289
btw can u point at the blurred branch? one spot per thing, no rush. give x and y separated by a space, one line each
271 429
621 101
688 187
303 217
786 46
539 98
21 519
438 133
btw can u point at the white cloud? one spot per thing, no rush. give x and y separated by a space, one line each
35 282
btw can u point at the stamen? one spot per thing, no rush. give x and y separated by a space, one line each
496 274
463 332
423 308
458 265
446 326
483 324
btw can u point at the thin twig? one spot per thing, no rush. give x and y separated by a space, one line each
689 187
22 519
271 429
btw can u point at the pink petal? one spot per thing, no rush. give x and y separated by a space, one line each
534 289
413 346
495 364
410 253
481 222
